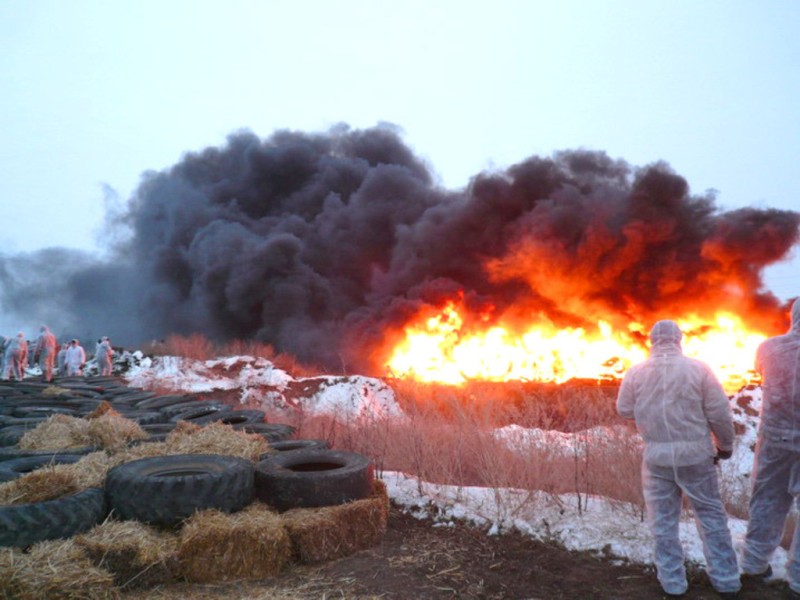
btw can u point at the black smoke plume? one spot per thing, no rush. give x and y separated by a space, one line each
322 244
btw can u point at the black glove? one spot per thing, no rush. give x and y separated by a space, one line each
722 455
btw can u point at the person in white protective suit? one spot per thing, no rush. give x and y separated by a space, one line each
46 352
16 355
103 356
776 471
678 404
61 359
74 359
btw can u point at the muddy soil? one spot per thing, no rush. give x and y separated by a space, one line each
419 561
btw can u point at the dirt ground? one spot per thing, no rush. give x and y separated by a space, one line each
417 561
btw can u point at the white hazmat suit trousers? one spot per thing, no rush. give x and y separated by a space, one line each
663 487
776 485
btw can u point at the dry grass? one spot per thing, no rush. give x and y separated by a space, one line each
450 436
249 544
55 569
198 347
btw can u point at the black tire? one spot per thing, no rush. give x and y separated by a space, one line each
159 402
233 417
200 415
272 432
17 467
145 418
158 427
10 436
25 412
164 490
25 524
176 409
290 445
12 452
313 478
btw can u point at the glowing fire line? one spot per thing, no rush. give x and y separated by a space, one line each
437 349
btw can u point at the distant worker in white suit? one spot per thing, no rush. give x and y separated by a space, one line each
678 404
61 359
776 471
16 355
46 352
104 355
74 359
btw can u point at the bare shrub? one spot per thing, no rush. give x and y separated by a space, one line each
248 348
195 346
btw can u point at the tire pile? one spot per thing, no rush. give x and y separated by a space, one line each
163 491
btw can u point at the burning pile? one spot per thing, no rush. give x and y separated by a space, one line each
340 249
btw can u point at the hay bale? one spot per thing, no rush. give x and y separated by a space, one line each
89 471
321 534
55 569
250 544
111 430
57 432
54 390
103 408
104 427
215 438
43 484
139 451
136 554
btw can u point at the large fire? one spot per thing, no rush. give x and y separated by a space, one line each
440 348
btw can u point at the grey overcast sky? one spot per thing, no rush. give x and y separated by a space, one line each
94 93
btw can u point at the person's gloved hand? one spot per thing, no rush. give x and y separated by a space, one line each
722 455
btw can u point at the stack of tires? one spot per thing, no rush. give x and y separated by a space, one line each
164 490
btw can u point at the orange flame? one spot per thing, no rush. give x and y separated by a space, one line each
438 348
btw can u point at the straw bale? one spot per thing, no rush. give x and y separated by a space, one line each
43 484
89 471
103 408
111 430
54 390
56 433
136 554
321 534
250 544
215 438
54 569
139 451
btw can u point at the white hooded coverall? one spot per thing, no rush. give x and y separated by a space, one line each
74 360
46 351
677 404
103 356
16 356
776 472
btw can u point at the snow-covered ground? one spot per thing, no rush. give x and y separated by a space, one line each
594 524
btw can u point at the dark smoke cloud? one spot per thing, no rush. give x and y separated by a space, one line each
320 244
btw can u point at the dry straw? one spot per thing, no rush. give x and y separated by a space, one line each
109 429
56 569
57 432
215 438
47 483
250 544
322 534
136 554
104 428
54 390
